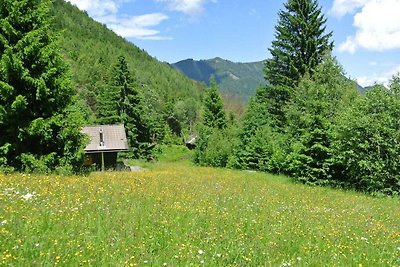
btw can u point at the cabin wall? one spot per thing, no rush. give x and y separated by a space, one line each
110 160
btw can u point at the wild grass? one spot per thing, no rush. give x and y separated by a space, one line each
181 215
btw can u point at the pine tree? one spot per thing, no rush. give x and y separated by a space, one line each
300 43
131 109
108 103
37 131
214 114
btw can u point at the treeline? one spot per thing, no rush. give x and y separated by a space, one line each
61 70
93 52
310 122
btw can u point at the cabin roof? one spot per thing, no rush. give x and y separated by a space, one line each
114 138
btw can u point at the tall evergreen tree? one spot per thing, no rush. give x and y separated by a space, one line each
131 109
214 114
35 90
300 43
108 102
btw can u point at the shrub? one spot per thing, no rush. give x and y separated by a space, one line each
367 145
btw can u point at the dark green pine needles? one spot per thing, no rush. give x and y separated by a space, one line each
36 130
300 43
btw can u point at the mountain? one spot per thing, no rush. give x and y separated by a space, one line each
236 79
91 50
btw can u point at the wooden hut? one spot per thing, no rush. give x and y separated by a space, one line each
105 143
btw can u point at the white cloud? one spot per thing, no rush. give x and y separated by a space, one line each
138 26
381 78
189 7
107 12
377 24
343 7
96 7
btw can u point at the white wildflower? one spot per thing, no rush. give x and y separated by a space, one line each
3 222
28 196
200 251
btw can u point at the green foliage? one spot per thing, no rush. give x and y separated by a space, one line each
214 147
300 43
367 147
130 110
35 92
215 142
264 150
262 146
235 79
214 114
311 117
90 62
107 105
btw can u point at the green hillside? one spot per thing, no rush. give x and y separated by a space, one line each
92 50
236 79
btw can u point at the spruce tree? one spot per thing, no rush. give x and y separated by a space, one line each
300 43
131 109
108 102
214 114
37 131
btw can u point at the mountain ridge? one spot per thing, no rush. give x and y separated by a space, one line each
233 78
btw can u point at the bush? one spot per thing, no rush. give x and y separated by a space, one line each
367 145
264 151
215 146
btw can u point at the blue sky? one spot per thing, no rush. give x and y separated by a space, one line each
366 33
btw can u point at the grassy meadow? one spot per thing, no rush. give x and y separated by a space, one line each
176 214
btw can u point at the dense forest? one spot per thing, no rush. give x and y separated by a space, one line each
60 70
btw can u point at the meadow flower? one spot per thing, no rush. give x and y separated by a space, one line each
200 251
28 196
3 222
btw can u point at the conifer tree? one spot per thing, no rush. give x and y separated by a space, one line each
131 108
300 43
108 103
37 131
214 114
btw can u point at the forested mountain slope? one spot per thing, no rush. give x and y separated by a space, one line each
92 50
237 79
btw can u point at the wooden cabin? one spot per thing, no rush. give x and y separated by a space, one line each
105 143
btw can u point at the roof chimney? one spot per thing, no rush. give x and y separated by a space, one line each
101 138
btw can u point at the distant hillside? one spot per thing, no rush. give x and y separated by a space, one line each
236 79
92 50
